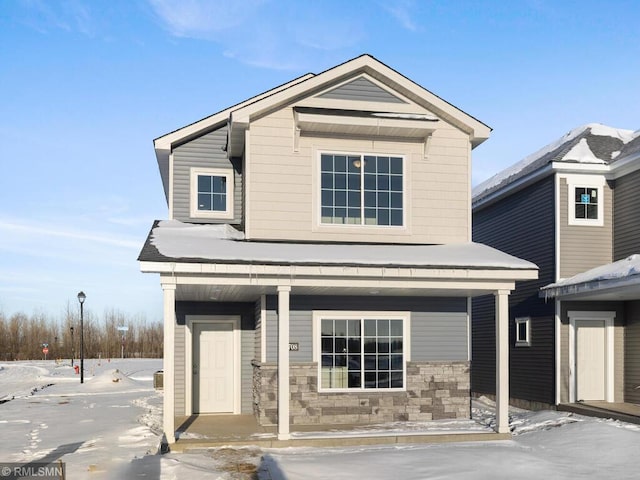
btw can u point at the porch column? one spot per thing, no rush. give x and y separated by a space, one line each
168 366
283 362
502 361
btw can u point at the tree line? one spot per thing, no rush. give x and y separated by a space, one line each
23 337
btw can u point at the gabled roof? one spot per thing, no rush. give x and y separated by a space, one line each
239 115
594 145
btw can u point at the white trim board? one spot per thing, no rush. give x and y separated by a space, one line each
190 320
608 318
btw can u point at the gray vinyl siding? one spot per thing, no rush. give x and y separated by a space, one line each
179 376
246 311
618 343
515 227
632 352
204 151
626 216
361 89
583 247
438 325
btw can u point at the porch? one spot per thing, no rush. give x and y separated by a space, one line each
209 431
624 412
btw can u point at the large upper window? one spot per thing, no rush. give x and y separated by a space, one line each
361 189
362 352
212 193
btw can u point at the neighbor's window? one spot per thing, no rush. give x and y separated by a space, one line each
586 203
523 332
212 193
362 353
361 189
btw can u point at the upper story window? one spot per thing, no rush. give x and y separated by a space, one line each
212 193
361 189
361 351
586 203
585 200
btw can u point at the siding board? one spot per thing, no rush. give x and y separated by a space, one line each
438 325
632 352
513 226
626 216
204 151
361 89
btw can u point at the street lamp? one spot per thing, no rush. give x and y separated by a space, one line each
73 350
81 298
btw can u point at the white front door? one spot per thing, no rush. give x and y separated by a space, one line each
591 347
213 367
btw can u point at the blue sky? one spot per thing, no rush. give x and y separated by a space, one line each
87 85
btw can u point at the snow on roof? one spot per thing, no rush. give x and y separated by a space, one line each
176 241
576 146
622 269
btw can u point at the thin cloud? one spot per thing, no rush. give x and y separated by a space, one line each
71 15
402 11
273 35
62 232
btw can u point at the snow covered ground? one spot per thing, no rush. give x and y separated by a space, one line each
108 428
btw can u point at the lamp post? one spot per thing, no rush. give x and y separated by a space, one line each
73 351
81 298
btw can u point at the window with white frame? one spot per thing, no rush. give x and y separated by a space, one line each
212 193
585 200
362 352
523 332
361 189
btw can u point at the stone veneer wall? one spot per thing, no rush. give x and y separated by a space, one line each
435 390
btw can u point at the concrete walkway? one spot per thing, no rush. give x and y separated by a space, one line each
625 412
208 431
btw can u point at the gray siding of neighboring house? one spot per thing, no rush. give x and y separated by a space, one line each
438 325
363 90
513 226
246 311
618 344
204 151
626 216
258 339
632 352
583 247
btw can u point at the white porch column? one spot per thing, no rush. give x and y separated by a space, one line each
283 362
168 366
502 361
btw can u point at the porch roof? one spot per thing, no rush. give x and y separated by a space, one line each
177 242
611 282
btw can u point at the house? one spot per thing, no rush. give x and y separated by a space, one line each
571 208
317 262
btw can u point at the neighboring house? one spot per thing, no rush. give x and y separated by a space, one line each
317 262
569 208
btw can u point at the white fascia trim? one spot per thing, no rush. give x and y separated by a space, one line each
166 141
171 189
608 318
565 292
584 168
322 272
263 328
512 187
479 131
558 350
625 166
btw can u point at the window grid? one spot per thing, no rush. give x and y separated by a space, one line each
212 193
586 203
362 353
361 189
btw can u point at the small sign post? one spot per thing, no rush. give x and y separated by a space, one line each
122 328
45 350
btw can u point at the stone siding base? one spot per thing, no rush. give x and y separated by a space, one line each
435 391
